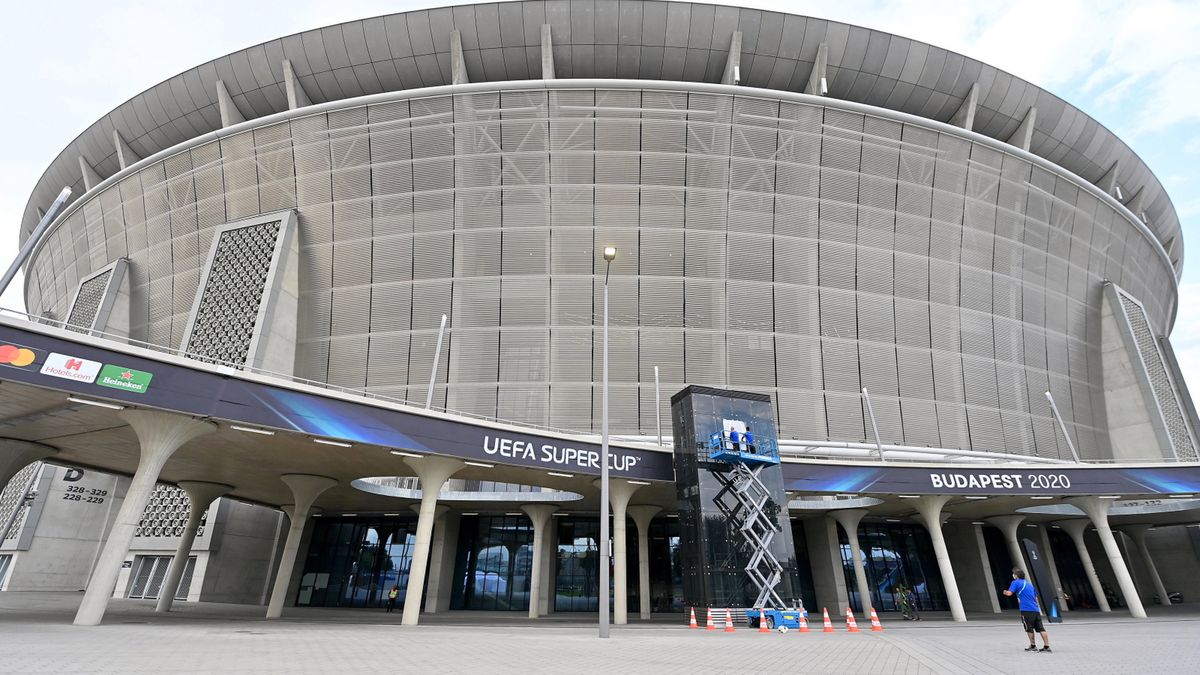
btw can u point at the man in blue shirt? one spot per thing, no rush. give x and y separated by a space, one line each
1031 616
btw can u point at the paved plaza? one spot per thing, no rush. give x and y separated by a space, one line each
36 636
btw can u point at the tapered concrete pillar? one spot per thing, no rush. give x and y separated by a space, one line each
1138 534
159 435
16 455
642 515
1043 541
439 548
1075 528
1009 526
619 493
201 495
929 508
305 490
1097 510
540 516
849 520
432 471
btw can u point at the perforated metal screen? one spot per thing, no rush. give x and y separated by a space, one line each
1164 390
87 302
770 245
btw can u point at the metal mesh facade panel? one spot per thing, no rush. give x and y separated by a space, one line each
779 246
228 307
166 514
1160 381
12 496
87 302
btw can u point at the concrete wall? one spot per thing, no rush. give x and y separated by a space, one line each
968 556
1103 568
68 532
240 563
440 576
301 553
824 553
1175 558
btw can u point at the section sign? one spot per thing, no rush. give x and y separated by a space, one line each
70 367
120 377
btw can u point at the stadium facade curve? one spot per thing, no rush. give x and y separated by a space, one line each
801 208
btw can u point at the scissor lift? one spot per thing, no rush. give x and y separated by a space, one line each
750 515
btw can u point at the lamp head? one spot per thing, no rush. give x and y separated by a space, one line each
610 253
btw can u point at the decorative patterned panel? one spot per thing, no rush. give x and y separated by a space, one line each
228 309
1160 381
87 302
166 514
12 497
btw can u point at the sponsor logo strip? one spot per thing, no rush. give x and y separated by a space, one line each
127 379
70 367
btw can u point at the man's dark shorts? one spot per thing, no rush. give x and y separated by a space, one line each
1032 622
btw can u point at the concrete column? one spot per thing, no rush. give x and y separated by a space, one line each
1138 534
1008 525
305 490
438 544
1043 540
929 508
986 569
619 493
201 495
642 515
159 435
849 520
1097 510
433 472
16 455
540 516
1075 528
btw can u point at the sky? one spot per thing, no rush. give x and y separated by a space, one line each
1134 66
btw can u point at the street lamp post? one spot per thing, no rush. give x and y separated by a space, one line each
610 254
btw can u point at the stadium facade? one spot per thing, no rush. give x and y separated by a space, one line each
917 256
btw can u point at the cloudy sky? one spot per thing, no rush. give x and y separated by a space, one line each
1134 66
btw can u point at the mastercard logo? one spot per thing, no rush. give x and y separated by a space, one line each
16 356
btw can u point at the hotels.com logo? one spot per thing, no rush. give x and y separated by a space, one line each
20 357
71 367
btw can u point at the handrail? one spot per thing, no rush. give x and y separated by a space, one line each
791 449
181 353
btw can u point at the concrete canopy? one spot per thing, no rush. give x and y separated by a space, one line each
673 41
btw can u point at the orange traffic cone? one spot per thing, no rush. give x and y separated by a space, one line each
728 622
762 622
875 625
803 623
692 623
710 625
851 624
828 623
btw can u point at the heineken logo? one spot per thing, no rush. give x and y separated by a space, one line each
128 379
